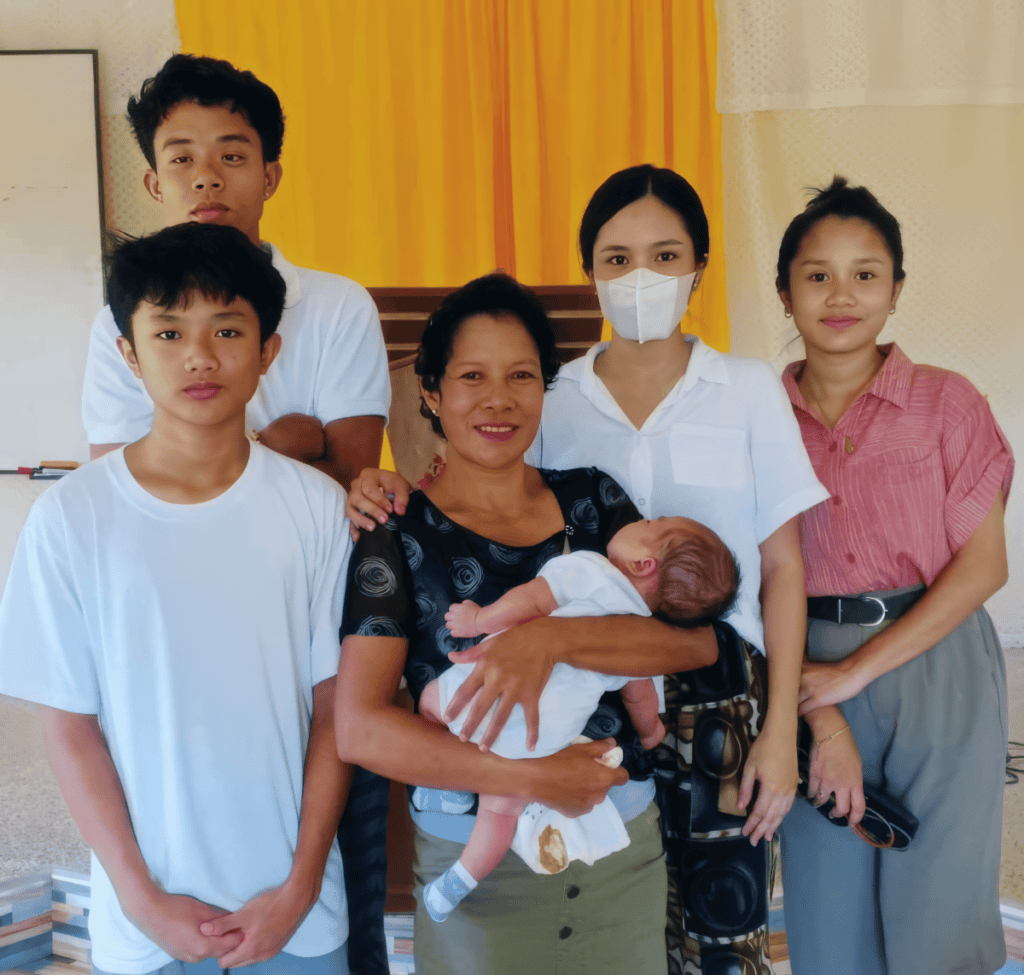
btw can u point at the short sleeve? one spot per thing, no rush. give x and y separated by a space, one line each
46 655
327 599
784 480
978 464
378 591
115 406
352 378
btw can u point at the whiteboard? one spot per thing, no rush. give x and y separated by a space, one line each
51 281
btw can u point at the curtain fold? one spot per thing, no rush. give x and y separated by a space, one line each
428 143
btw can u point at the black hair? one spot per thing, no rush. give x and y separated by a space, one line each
839 199
206 81
169 267
629 185
493 294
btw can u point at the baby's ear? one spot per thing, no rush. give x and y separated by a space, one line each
646 566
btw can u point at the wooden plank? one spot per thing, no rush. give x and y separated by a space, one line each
25 933
30 922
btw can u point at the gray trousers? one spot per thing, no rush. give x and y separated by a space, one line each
933 734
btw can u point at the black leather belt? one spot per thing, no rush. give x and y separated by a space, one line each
867 609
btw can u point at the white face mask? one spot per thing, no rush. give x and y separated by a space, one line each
644 306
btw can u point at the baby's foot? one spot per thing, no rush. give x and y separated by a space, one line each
442 800
441 896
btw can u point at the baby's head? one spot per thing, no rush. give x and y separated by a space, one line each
682 569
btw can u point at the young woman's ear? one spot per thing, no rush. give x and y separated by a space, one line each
896 289
787 303
701 268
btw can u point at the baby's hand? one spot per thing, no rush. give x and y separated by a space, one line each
461 619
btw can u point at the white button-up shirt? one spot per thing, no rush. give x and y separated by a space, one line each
723 448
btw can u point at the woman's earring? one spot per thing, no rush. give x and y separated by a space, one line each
892 311
434 412
788 313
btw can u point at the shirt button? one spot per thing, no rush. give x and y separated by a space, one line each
850 557
572 891
837 501
833 448
641 501
564 933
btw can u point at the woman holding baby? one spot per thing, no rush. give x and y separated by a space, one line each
485 525
685 431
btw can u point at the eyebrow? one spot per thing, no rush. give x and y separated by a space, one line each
820 260
622 247
185 141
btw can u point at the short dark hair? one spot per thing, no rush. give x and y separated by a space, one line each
493 294
206 81
629 185
169 267
698 580
839 199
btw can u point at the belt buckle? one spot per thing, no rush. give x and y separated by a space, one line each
875 599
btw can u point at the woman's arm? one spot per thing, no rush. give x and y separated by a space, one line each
515 665
377 734
772 759
974 573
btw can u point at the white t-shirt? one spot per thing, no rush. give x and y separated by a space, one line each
332 363
723 448
196 633
583 584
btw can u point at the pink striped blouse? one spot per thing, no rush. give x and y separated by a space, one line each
913 467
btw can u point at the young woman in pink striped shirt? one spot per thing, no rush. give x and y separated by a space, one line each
898 564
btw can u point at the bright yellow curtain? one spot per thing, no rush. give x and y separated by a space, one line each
430 141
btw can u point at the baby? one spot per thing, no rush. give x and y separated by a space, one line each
672 568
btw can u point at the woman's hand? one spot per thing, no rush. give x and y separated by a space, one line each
833 683
771 763
574 780
836 770
514 666
369 501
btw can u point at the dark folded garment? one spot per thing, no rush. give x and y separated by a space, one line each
887 823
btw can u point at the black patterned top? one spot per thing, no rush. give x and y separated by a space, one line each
402 581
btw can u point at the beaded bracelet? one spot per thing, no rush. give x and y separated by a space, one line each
836 734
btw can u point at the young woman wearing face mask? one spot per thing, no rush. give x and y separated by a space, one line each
919 473
686 431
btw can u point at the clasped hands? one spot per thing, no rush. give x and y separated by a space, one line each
192 931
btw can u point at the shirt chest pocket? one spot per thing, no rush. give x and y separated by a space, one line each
706 456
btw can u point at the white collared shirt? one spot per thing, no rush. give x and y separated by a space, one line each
332 363
723 448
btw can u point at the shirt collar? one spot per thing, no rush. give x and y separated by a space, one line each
288 271
705 363
892 382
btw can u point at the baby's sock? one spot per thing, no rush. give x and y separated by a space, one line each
440 896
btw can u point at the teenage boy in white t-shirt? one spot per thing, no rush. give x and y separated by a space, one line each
174 609
212 137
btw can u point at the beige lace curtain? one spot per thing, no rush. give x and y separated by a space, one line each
923 102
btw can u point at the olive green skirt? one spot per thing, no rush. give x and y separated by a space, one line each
608 919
